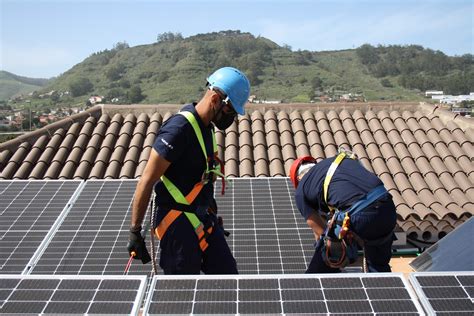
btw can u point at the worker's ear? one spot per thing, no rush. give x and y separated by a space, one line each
215 98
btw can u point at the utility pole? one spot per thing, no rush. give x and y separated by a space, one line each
29 108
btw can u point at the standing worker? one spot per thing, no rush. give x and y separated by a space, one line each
360 211
182 167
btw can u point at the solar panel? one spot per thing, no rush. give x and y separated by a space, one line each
268 234
344 294
449 253
445 293
28 210
60 295
93 236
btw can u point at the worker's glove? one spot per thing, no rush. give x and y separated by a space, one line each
136 246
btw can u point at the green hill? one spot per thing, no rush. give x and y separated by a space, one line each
173 70
12 85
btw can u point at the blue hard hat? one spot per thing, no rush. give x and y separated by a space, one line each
234 84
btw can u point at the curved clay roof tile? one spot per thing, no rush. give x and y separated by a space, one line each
277 169
98 170
269 115
38 171
156 117
262 168
153 128
296 116
61 155
83 170
139 169
246 168
128 170
256 116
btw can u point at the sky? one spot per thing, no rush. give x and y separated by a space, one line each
44 38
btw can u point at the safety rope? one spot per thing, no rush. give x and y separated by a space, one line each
152 236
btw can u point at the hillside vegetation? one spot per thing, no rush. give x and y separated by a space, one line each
173 70
12 85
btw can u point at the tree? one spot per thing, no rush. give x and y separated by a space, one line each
115 71
80 86
367 54
121 45
135 95
169 37
316 83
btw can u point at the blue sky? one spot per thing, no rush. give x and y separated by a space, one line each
44 38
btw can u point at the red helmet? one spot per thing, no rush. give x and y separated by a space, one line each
296 165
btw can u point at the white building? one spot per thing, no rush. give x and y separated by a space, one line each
430 93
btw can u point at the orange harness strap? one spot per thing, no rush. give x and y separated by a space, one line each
166 222
171 217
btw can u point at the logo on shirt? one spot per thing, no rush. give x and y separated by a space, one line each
166 143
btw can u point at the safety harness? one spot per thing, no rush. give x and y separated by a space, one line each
339 242
188 199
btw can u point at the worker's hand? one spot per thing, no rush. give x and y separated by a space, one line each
136 247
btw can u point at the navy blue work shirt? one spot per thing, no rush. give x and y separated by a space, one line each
350 182
177 143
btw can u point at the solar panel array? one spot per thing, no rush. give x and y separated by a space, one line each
28 210
445 293
268 234
350 294
70 237
93 236
60 295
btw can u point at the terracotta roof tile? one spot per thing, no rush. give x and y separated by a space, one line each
68 141
53 170
67 171
128 170
156 117
270 115
145 154
89 155
246 168
83 170
23 171
153 128
118 154
47 155
231 168
39 170
139 170
113 170
262 168
260 153
277 169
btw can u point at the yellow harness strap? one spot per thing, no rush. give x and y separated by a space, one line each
329 175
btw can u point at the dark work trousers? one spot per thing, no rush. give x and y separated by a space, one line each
374 222
181 254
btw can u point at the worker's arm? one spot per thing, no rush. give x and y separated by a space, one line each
154 169
317 224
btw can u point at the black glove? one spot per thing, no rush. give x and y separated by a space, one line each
137 248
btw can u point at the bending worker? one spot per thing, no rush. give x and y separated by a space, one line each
360 212
182 168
